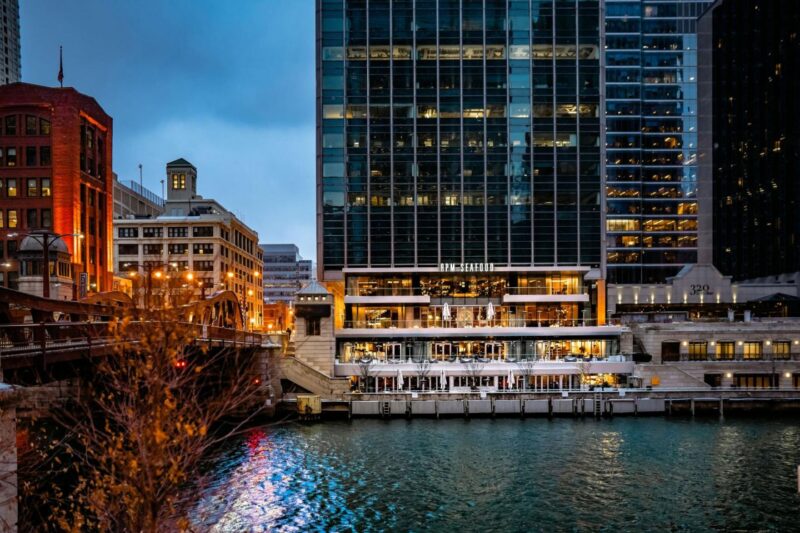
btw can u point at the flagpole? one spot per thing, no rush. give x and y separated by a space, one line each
61 66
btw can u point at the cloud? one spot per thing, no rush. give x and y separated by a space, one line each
227 84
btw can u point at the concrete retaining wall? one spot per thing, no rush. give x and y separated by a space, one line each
650 405
623 407
539 407
506 407
480 407
365 408
398 407
450 407
423 407
563 407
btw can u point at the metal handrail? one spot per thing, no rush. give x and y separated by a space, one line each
388 323
65 335
424 291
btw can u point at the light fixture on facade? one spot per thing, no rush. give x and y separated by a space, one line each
728 375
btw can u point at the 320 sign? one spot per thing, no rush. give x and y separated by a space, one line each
700 289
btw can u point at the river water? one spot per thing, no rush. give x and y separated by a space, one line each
624 474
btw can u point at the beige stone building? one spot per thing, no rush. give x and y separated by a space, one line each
196 244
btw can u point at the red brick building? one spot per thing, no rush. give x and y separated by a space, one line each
55 175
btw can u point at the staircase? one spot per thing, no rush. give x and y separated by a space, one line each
670 377
312 379
290 347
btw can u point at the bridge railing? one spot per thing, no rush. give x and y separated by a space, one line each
59 336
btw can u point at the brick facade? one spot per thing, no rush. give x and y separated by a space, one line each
78 133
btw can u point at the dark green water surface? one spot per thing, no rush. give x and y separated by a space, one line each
625 474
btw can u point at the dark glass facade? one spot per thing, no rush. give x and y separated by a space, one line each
754 52
651 146
454 131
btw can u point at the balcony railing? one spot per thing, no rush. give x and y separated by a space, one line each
455 323
521 360
495 293
687 358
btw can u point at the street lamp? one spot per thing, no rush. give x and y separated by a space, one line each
228 277
46 239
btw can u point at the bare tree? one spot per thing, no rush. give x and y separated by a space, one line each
364 372
525 369
158 405
474 370
423 368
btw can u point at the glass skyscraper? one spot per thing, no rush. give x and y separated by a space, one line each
749 132
458 131
459 183
651 148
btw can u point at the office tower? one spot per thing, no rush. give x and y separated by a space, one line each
285 272
459 181
10 57
458 132
651 146
749 135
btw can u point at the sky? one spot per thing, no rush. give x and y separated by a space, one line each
228 85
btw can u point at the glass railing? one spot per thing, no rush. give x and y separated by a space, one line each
794 356
520 360
495 293
387 323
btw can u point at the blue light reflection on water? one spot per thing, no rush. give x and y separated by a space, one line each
509 475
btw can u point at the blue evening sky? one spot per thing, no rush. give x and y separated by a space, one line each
226 84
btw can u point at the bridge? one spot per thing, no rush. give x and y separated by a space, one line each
39 335
50 348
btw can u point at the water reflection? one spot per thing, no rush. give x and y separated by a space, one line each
511 475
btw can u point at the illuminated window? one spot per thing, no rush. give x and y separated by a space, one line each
725 350
781 349
698 351
178 182
622 224
752 350
12 218
11 188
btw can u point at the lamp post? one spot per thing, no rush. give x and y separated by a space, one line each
6 265
46 239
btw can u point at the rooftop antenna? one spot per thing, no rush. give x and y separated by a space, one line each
163 190
141 184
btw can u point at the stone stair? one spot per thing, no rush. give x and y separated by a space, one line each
670 377
312 379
